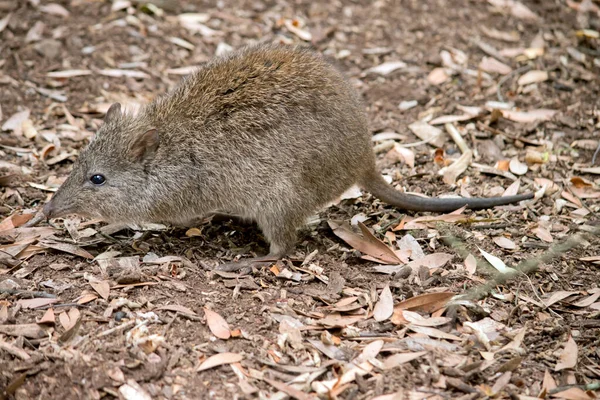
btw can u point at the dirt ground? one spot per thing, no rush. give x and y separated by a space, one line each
89 310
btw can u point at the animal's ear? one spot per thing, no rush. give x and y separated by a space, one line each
114 111
145 145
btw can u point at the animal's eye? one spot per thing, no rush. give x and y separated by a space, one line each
98 179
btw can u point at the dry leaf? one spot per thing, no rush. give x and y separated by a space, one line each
505 243
543 234
437 76
432 332
385 306
471 264
386 68
532 77
290 391
497 263
401 358
491 65
517 167
217 324
568 357
48 317
36 303
219 359
574 393
432 135
427 303
54 9
32 331
368 244
588 301
558 296
528 116
102 287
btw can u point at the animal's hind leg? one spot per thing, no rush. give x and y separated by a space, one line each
280 231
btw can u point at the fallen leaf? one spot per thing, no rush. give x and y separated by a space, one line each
48 317
217 324
497 263
427 303
504 242
437 76
528 116
36 303
401 358
558 296
385 306
386 68
54 9
417 319
219 359
517 167
588 301
471 264
15 122
543 234
102 287
133 391
534 76
67 248
70 73
367 244
32 331
121 73
491 65
516 8
568 357
432 135
432 332
574 393
290 391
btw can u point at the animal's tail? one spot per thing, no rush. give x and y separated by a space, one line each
376 185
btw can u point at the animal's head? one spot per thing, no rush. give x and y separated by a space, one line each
111 178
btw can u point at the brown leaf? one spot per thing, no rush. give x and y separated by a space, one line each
548 383
417 319
568 357
69 319
543 234
367 244
86 298
290 391
427 303
431 261
102 287
529 116
217 324
471 264
574 394
33 331
219 359
67 248
558 296
588 301
385 306
36 303
504 242
48 317
432 332
401 358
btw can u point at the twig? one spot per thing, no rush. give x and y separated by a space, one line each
596 154
27 293
508 76
116 329
589 386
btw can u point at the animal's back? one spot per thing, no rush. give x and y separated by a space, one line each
268 121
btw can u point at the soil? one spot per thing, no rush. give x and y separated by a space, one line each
151 329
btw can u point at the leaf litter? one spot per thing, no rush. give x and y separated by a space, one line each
124 301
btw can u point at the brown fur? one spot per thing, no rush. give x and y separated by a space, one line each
269 133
